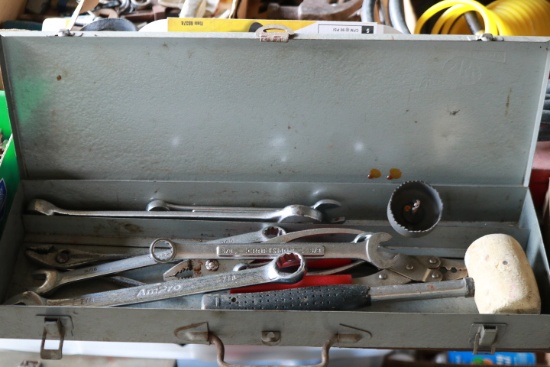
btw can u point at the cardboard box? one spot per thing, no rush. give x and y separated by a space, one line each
11 9
9 171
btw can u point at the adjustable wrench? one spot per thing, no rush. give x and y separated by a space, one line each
54 279
272 272
288 214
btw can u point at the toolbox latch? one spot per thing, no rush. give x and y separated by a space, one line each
485 337
282 36
54 328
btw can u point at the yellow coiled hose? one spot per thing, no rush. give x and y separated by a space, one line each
501 17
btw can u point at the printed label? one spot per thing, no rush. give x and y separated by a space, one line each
251 25
342 28
268 251
163 289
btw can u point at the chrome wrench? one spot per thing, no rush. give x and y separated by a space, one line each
288 214
68 258
366 247
54 279
227 265
272 272
320 211
211 265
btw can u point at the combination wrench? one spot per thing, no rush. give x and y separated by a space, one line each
272 272
366 246
227 265
54 279
288 214
70 258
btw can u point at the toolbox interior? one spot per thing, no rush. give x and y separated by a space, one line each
460 226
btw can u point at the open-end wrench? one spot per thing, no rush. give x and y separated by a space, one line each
288 214
272 272
54 279
325 207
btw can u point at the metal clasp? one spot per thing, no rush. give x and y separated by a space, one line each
283 36
488 37
55 328
485 337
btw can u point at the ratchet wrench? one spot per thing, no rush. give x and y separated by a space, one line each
272 272
54 279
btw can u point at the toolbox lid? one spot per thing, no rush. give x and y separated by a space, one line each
227 107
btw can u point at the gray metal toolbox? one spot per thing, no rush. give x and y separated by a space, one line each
112 120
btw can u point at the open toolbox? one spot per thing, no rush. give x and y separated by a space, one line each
110 121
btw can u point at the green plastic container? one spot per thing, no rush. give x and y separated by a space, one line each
9 171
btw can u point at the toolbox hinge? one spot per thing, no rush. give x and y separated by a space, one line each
485 337
55 327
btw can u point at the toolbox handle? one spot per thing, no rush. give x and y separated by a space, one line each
213 339
283 36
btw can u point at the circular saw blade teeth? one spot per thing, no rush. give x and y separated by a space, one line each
414 208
